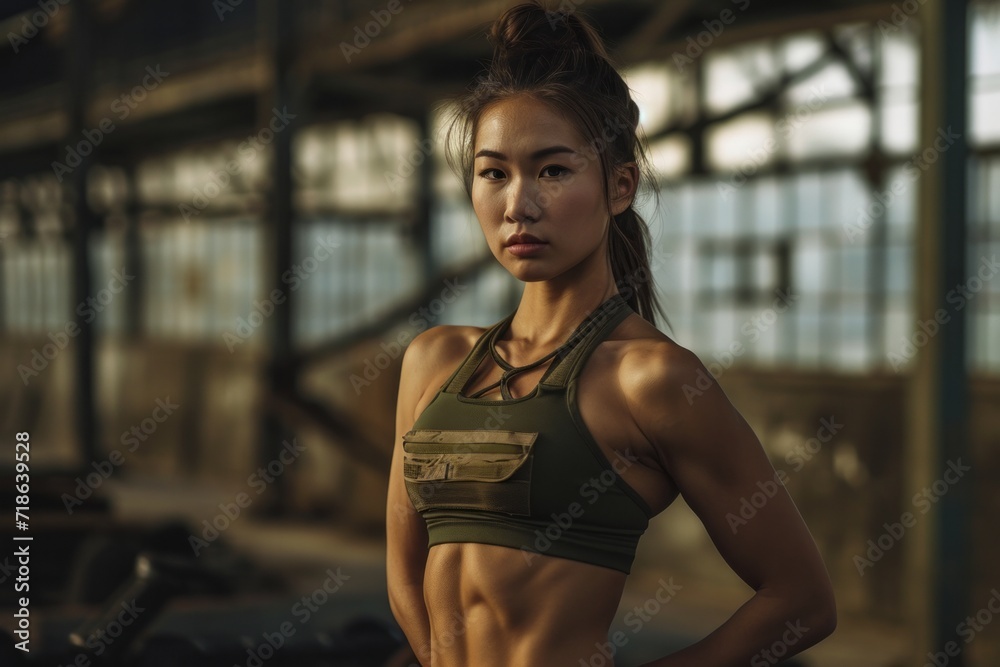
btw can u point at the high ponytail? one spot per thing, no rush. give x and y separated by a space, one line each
559 58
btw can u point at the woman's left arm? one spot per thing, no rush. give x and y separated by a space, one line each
717 462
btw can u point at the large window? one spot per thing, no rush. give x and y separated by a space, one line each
785 251
776 243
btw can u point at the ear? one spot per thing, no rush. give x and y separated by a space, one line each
623 186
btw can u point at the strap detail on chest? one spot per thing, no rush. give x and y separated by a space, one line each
568 357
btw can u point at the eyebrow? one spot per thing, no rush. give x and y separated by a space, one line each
543 152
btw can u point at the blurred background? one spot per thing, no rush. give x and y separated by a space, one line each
221 222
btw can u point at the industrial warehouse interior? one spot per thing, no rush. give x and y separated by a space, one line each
222 222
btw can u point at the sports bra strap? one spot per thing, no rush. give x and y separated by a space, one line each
615 310
472 360
569 356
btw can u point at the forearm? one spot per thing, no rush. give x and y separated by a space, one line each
760 633
407 604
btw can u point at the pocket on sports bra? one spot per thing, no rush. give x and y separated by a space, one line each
468 469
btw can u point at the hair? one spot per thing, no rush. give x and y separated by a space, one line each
558 58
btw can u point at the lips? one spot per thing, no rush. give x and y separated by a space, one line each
515 239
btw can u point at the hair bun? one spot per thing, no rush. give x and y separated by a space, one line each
530 31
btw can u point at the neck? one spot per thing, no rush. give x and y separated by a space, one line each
550 310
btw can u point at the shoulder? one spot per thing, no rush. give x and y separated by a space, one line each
667 387
683 413
436 345
652 361
658 365
434 352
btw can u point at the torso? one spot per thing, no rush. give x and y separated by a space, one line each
489 608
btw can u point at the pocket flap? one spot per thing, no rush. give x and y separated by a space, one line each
470 436
457 455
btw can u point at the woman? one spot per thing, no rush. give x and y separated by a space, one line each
530 455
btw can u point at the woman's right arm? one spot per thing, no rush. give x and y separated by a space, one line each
406 532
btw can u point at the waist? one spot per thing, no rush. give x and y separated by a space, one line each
488 607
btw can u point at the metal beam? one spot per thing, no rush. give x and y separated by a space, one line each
766 100
938 554
746 29
276 20
134 264
660 23
953 536
78 62
395 316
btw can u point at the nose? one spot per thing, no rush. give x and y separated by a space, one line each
522 200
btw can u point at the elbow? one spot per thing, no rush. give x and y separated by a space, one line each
825 622
822 613
812 611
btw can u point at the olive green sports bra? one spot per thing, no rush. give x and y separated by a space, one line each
525 472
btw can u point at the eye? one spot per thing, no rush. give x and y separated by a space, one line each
561 170
486 171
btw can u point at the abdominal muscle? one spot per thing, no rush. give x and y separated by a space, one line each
488 606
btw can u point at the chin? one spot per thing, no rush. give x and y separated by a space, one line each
528 276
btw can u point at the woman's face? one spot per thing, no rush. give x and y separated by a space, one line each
534 173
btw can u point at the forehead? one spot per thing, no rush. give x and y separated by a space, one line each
520 124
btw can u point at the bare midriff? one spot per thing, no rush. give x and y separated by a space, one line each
489 606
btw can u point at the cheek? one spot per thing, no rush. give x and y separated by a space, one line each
582 201
486 215
481 198
477 203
